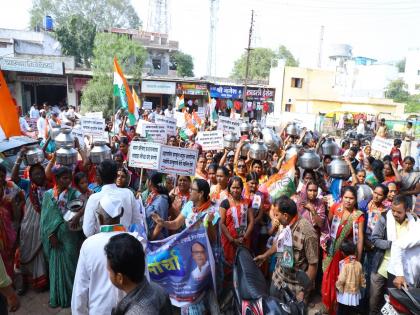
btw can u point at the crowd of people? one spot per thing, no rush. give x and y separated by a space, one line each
351 244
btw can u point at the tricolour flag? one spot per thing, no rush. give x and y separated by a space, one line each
136 104
180 103
9 118
122 89
283 183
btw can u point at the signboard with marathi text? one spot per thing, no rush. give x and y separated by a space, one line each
93 125
168 122
179 161
144 155
229 125
147 105
158 87
32 65
210 140
382 145
223 91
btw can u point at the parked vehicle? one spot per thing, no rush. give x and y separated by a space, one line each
402 301
9 149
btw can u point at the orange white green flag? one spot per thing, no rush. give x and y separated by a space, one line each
136 104
122 90
283 183
9 118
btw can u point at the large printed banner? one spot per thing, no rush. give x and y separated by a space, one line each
168 122
210 140
93 125
382 145
144 155
182 264
229 125
179 161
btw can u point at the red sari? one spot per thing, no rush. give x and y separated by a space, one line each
330 263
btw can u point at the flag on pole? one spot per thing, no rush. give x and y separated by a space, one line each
9 118
283 183
136 104
180 104
122 90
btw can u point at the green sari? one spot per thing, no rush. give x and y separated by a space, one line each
62 261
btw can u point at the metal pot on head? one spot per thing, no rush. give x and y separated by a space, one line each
291 151
66 156
245 127
309 160
230 141
258 150
100 152
34 155
293 129
245 148
338 168
65 138
330 147
272 141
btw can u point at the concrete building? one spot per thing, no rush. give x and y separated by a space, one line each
412 71
159 49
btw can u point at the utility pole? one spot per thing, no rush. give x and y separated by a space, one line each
321 41
248 51
211 54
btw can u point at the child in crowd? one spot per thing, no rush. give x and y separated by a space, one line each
396 153
350 280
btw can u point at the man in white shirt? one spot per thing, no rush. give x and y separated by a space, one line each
133 208
93 292
41 124
408 138
169 112
34 112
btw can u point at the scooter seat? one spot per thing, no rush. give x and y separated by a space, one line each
251 282
404 299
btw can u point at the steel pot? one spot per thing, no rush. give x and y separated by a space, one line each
72 208
309 160
34 155
54 132
245 148
364 192
338 168
65 139
293 129
245 127
272 141
230 141
100 152
291 151
258 150
329 147
66 156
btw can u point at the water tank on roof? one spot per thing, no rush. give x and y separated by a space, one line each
340 50
48 23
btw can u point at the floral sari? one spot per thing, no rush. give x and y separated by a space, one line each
340 231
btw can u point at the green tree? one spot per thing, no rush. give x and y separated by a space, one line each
77 35
98 93
413 104
284 53
103 13
259 64
182 63
401 65
397 90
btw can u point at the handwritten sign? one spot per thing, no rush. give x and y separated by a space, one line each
179 161
102 137
272 121
144 155
80 135
168 122
201 112
95 115
93 125
229 125
147 105
155 132
210 140
382 145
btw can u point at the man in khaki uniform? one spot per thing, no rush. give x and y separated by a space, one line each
407 139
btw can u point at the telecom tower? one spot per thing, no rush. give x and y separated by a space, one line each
211 54
158 20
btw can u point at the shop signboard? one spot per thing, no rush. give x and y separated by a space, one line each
32 66
382 145
144 155
179 161
210 140
158 87
168 122
191 89
229 125
41 80
224 91
93 125
260 94
147 105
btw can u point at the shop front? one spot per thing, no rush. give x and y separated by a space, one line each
195 95
158 93
260 102
227 98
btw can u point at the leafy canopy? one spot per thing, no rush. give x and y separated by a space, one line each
182 63
397 90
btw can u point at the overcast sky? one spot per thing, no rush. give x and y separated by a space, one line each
380 29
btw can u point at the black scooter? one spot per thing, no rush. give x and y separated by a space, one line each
402 301
251 295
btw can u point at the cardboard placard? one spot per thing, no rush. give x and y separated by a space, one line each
147 105
179 161
168 122
155 132
80 135
210 140
382 145
229 125
93 125
144 155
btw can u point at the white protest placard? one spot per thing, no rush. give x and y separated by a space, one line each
229 125
210 140
103 137
144 155
157 132
180 119
95 115
272 121
201 112
168 122
382 145
147 105
80 135
93 125
179 161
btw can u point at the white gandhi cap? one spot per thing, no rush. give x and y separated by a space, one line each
112 206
